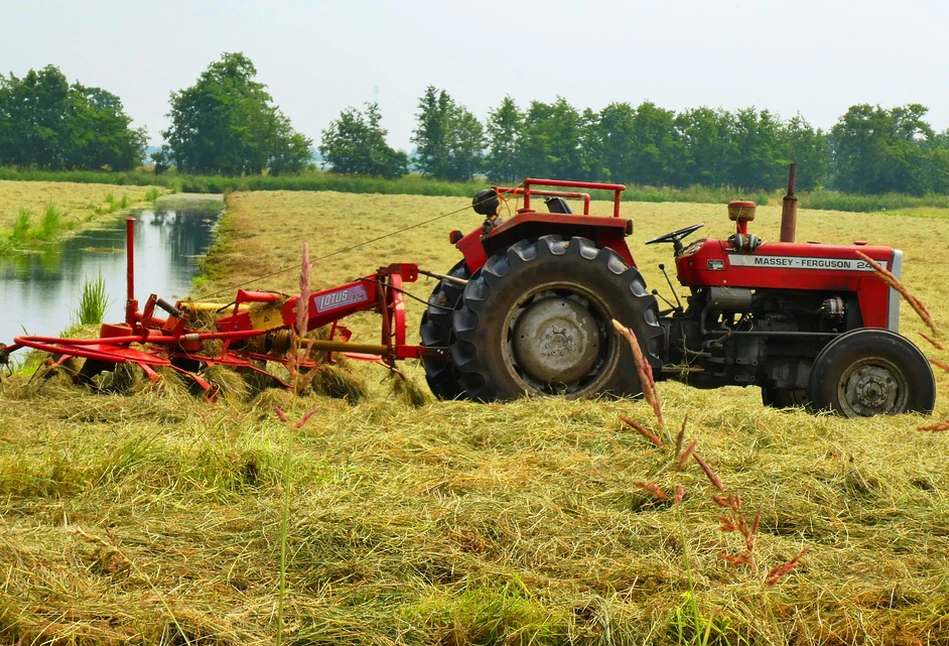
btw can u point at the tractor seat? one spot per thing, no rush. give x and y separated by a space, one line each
557 205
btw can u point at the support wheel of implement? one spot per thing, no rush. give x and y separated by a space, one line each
871 371
783 397
537 319
435 331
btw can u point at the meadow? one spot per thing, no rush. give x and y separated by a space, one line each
39 212
155 517
414 184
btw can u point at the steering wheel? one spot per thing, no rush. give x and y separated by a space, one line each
676 237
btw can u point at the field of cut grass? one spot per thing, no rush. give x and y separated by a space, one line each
78 205
157 518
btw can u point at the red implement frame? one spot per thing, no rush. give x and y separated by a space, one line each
149 341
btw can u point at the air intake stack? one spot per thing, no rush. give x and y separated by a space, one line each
789 209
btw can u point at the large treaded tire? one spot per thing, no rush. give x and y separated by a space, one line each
520 287
871 371
435 331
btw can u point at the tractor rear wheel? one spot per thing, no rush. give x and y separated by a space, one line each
871 371
435 331
537 319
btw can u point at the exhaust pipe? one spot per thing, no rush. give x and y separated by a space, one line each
789 209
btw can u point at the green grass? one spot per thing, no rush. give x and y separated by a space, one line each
21 227
23 231
93 302
416 185
50 224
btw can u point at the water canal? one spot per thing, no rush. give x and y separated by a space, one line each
40 289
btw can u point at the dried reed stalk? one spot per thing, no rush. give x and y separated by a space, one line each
895 283
645 371
939 345
642 431
686 454
298 350
941 364
712 476
653 489
680 437
737 522
775 573
927 318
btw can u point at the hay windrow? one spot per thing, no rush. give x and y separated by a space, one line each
463 523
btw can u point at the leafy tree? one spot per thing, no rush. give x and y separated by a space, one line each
756 161
288 150
448 138
935 176
356 143
465 145
878 151
505 133
225 123
800 143
161 160
99 133
46 123
653 145
431 133
613 142
705 138
552 140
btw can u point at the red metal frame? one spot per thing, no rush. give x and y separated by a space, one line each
159 342
607 232
564 183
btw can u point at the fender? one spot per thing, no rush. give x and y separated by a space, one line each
606 232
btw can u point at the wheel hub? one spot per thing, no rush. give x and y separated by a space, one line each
556 340
872 389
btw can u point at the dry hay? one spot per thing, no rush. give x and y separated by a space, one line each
339 381
142 518
80 204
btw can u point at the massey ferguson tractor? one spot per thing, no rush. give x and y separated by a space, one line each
528 311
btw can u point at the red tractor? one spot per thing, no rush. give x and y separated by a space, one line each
528 310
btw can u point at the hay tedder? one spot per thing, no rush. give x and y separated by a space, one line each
528 310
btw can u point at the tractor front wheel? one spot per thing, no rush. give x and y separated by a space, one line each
537 319
871 371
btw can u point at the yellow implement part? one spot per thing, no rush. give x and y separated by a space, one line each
263 316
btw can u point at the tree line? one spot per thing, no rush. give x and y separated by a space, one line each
47 123
870 150
227 124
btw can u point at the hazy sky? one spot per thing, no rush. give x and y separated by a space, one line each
815 58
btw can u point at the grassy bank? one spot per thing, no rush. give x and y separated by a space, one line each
40 212
157 518
416 185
